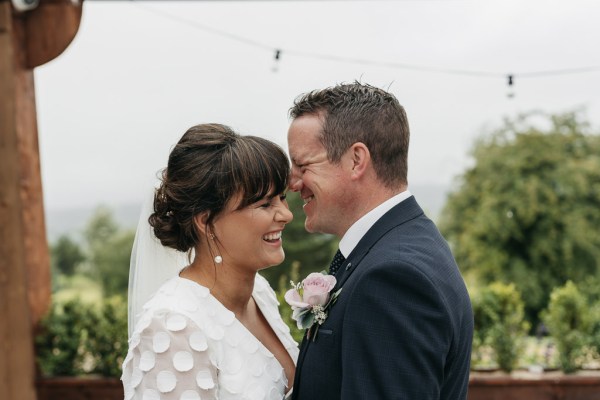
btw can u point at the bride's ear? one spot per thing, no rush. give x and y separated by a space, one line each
200 223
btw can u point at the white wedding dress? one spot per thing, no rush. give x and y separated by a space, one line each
187 346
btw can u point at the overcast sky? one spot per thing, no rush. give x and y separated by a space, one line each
138 74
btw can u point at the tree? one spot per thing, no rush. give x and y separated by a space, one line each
66 255
100 228
111 263
310 252
109 249
528 211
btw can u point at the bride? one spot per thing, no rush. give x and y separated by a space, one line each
212 330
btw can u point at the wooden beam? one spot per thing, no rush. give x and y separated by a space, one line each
26 40
50 28
17 371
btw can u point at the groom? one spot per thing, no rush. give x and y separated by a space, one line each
402 326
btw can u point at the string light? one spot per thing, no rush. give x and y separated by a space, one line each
389 64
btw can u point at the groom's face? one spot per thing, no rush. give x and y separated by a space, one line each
321 184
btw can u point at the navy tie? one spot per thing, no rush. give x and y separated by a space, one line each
336 263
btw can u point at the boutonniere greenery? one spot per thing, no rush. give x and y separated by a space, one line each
311 300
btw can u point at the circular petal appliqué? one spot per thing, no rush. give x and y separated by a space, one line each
226 318
233 363
183 361
215 332
255 393
204 380
198 341
250 344
166 381
161 342
189 395
188 305
274 369
234 337
256 365
150 394
176 322
136 377
147 361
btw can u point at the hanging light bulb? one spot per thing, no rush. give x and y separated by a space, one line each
511 93
275 67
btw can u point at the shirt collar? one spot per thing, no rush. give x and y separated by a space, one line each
360 227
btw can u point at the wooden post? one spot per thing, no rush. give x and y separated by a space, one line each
27 40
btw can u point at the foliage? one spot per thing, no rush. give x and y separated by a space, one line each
59 346
66 255
78 287
595 329
568 320
78 338
284 308
100 228
528 211
109 252
499 323
111 263
108 343
308 252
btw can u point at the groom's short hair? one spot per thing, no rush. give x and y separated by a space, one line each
358 112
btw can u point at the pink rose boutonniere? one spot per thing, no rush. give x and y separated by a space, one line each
310 301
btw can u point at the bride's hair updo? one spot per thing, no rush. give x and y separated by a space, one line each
209 166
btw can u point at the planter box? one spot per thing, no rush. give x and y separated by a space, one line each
583 385
80 388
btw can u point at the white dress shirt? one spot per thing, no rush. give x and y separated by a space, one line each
360 227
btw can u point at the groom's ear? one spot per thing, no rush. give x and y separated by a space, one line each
361 159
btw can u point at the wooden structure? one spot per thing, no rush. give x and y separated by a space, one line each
27 39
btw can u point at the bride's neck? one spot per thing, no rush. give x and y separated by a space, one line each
231 286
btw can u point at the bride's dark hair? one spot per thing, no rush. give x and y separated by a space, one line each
210 165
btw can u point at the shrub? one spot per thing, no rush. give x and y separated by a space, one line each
569 322
107 344
78 338
59 346
499 312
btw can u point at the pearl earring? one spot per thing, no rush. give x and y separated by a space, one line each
218 259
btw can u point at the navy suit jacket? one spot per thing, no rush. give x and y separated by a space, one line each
402 326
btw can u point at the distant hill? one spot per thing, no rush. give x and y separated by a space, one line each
72 221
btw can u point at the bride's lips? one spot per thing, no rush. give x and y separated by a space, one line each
272 237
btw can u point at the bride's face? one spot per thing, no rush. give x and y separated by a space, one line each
250 238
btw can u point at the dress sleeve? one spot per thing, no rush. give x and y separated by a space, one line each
170 360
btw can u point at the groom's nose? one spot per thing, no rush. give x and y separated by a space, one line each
295 184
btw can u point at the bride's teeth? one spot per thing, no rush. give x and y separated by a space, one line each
272 236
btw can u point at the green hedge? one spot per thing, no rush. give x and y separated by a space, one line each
78 338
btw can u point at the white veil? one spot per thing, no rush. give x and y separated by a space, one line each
151 264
